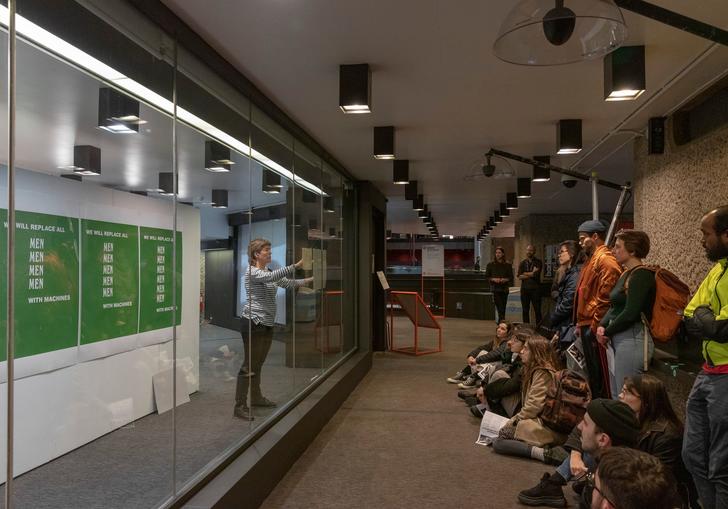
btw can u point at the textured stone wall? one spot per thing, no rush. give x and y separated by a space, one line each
672 191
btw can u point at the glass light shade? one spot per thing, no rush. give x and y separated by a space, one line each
547 32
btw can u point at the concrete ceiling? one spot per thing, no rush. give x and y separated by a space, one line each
435 78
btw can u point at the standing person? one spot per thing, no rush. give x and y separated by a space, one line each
622 328
529 272
597 278
256 324
560 317
500 275
705 448
477 263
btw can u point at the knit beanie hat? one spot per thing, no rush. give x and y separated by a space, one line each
616 419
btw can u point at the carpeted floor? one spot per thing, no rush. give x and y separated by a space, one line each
403 439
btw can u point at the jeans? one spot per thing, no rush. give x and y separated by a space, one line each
500 299
629 354
592 357
529 297
705 446
564 470
255 350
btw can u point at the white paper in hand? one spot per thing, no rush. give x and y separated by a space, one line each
490 425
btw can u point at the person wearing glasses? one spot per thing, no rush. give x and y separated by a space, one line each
565 288
607 423
256 324
629 479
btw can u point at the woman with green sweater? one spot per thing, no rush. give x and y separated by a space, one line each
632 297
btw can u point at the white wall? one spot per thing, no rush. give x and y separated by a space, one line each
60 410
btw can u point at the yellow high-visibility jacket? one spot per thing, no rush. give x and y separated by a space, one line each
713 327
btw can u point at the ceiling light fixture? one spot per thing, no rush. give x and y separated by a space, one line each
355 88
86 160
547 32
512 201
410 190
118 113
541 174
423 212
384 142
419 203
400 171
271 182
57 46
568 136
219 198
166 183
497 217
624 73
329 204
217 157
523 187
504 210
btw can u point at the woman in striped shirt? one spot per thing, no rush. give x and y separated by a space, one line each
261 285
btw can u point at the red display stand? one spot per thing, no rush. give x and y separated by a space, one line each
416 310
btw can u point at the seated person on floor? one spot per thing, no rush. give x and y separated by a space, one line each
502 392
629 479
526 428
607 423
502 331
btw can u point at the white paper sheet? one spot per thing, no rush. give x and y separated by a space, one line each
490 425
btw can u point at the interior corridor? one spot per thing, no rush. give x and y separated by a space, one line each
403 439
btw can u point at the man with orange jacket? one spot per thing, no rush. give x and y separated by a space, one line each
591 302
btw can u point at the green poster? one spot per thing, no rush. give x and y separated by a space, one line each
109 279
3 283
46 283
155 251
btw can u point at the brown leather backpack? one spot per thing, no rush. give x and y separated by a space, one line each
566 401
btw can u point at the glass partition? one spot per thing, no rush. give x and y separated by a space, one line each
153 333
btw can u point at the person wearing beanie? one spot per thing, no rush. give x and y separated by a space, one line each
596 280
607 423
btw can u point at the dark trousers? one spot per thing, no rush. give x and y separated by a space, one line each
705 445
500 299
256 345
529 297
593 363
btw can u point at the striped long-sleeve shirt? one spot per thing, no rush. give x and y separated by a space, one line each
261 286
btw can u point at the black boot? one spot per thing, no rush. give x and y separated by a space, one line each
241 409
548 492
257 398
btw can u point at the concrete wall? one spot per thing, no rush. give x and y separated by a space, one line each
671 193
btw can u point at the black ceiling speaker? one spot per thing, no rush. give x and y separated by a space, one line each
355 88
400 171
541 174
86 160
217 157
656 135
512 200
271 182
384 142
410 190
118 113
624 73
219 198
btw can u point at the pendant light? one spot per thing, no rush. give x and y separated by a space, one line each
400 171
512 201
523 187
624 73
383 142
541 174
355 88
568 136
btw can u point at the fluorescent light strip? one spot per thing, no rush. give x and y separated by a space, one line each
58 46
